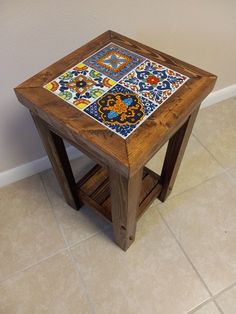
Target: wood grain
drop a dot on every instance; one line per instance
(146, 140)
(174, 154)
(120, 188)
(56, 151)
(94, 190)
(125, 194)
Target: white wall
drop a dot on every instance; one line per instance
(33, 34)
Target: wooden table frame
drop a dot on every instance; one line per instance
(121, 200)
(119, 187)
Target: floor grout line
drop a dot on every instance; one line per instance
(212, 296)
(53, 212)
(205, 147)
(224, 290)
(71, 246)
(69, 251)
(196, 308)
(224, 171)
(231, 178)
(201, 305)
(187, 257)
(33, 264)
(218, 307)
(91, 306)
(68, 246)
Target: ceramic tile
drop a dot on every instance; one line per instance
(52, 286)
(153, 276)
(204, 221)
(28, 230)
(209, 308)
(154, 81)
(121, 110)
(76, 225)
(215, 127)
(80, 85)
(227, 301)
(91, 86)
(114, 61)
(197, 166)
(232, 174)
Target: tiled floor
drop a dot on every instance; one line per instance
(56, 260)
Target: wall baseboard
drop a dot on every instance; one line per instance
(41, 164)
(219, 95)
(33, 167)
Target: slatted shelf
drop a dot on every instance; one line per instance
(94, 191)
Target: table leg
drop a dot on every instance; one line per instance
(125, 195)
(174, 154)
(57, 154)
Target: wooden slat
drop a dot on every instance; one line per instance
(94, 190)
(88, 175)
(94, 139)
(148, 183)
(102, 211)
(94, 180)
(148, 200)
(102, 192)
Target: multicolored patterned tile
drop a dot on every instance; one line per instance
(121, 110)
(114, 61)
(117, 87)
(80, 85)
(154, 81)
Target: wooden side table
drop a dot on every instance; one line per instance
(119, 102)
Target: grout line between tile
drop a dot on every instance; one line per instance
(71, 246)
(199, 306)
(194, 310)
(204, 146)
(185, 254)
(232, 180)
(218, 307)
(33, 264)
(212, 297)
(90, 304)
(224, 290)
(195, 186)
(53, 212)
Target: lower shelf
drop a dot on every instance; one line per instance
(94, 191)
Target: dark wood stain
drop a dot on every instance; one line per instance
(120, 187)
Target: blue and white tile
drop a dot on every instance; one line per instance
(154, 81)
(121, 110)
(114, 61)
(80, 86)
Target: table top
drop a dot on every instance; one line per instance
(117, 97)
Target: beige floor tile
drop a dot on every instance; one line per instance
(77, 225)
(53, 286)
(81, 165)
(227, 301)
(232, 174)
(216, 129)
(204, 221)
(197, 166)
(209, 308)
(28, 230)
(153, 276)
